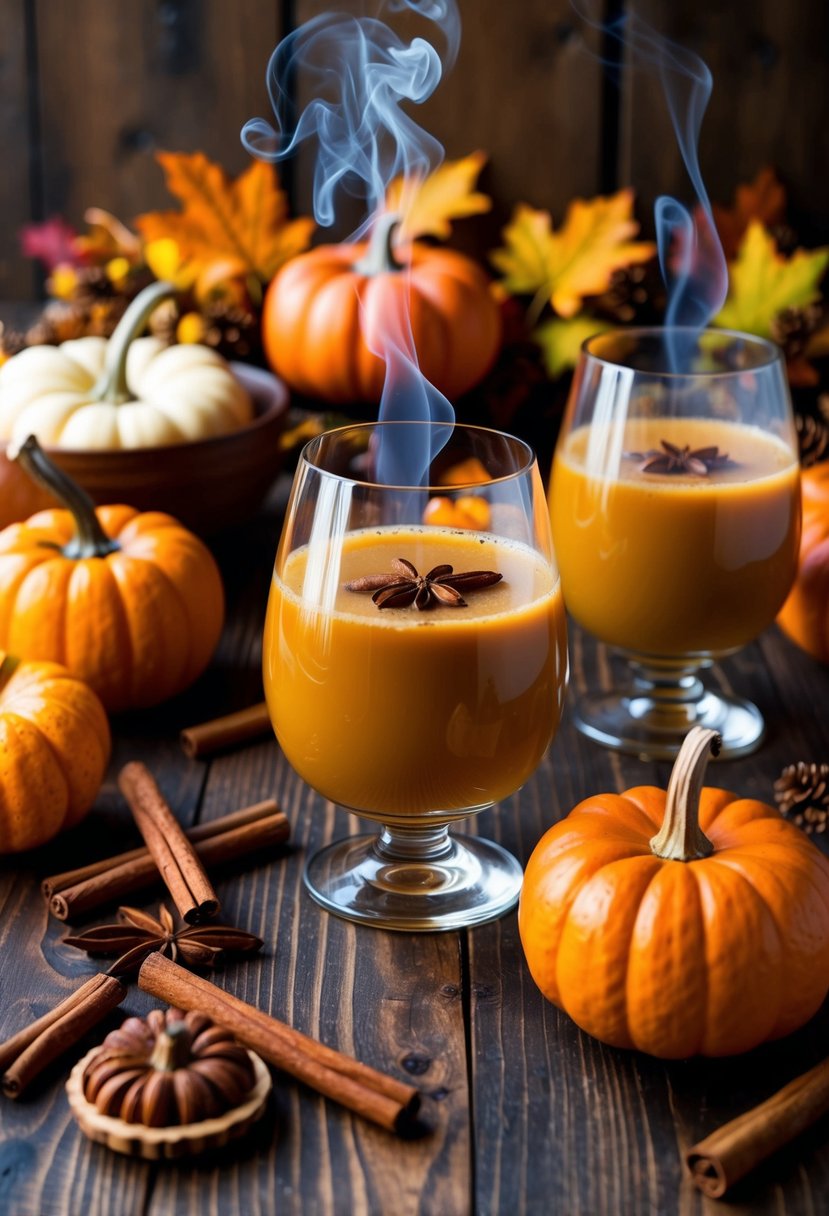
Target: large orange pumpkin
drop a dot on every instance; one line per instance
(320, 306)
(130, 602)
(54, 748)
(805, 615)
(678, 935)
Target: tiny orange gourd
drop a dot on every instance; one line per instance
(320, 306)
(131, 602)
(54, 748)
(805, 615)
(679, 923)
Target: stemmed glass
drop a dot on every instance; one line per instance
(675, 508)
(387, 694)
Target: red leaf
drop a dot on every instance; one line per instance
(52, 242)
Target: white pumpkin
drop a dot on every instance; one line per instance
(125, 393)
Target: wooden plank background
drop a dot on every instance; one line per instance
(90, 89)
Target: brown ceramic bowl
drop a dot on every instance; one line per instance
(208, 484)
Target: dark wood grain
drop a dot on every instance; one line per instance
(768, 64)
(118, 82)
(527, 1114)
(18, 139)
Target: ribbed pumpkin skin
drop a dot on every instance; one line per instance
(54, 748)
(805, 615)
(138, 625)
(675, 958)
(317, 304)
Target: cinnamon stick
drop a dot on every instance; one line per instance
(178, 864)
(26, 1054)
(732, 1151)
(244, 833)
(372, 1094)
(228, 731)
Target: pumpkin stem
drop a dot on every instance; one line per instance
(379, 257)
(172, 1048)
(681, 838)
(112, 383)
(90, 540)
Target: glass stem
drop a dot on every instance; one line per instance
(670, 683)
(418, 844)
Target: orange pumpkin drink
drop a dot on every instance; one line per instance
(667, 560)
(405, 714)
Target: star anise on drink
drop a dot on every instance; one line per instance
(136, 934)
(673, 459)
(404, 586)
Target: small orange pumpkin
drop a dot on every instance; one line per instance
(54, 748)
(692, 922)
(320, 305)
(805, 615)
(130, 602)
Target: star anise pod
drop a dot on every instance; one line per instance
(405, 586)
(673, 459)
(136, 934)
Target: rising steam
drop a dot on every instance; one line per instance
(690, 254)
(359, 73)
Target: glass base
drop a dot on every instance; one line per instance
(422, 881)
(652, 717)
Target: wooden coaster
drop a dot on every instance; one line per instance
(158, 1143)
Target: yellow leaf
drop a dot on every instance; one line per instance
(561, 340)
(245, 220)
(763, 282)
(577, 260)
(428, 205)
(163, 256)
(525, 263)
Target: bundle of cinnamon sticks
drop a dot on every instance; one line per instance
(245, 833)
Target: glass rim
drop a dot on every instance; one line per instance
(774, 354)
(529, 461)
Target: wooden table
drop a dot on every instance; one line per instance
(527, 1113)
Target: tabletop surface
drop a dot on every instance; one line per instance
(525, 1112)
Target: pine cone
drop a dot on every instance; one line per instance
(793, 327)
(802, 795)
(635, 294)
(232, 329)
(812, 438)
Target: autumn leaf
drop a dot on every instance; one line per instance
(763, 282)
(561, 340)
(430, 204)
(764, 199)
(577, 260)
(243, 222)
(53, 242)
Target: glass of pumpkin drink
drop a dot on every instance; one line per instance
(675, 507)
(415, 671)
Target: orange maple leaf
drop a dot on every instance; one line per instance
(243, 222)
(764, 199)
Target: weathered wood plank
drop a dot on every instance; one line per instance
(144, 76)
(17, 128)
(765, 108)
